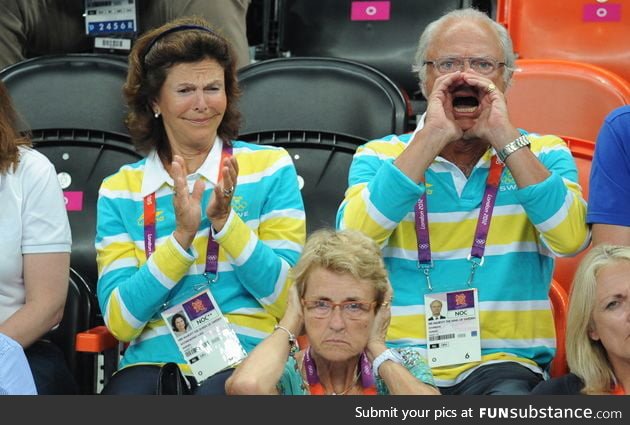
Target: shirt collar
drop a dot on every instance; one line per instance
(155, 175)
(419, 125)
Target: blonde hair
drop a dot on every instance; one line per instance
(587, 358)
(345, 252)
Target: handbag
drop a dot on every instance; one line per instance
(171, 381)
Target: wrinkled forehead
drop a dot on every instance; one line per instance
(467, 38)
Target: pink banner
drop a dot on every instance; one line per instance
(74, 201)
(602, 12)
(370, 11)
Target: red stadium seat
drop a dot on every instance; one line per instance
(578, 30)
(564, 98)
(559, 306)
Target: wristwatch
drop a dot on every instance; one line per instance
(388, 354)
(513, 146)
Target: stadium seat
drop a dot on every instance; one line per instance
(104, 349)
(381, 34)
(320, 94)
(582, 151)
(78, 91)
(82, 159)
(590, 31)
(564, 98)
(322, 161)
(79, 315)
(559, 306)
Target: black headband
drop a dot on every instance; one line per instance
(172, 30)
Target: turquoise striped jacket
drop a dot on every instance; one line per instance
(262, 239)
(529, 227)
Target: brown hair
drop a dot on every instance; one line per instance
(10, 137)
(150, 60)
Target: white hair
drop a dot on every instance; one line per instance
(469, 14)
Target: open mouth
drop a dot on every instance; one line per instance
(465, 99)
(465, 104)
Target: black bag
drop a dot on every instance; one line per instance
(171, 381)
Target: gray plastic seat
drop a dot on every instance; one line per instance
(80, 91)
(320, 94)
(322, 161)
(331, 28)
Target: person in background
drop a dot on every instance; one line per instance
(30, 28)
(470, 206)
(342, 299)
(609, 183)
(35, 246)
(598, 327)
(202, 211)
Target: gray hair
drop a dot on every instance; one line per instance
(462, 14)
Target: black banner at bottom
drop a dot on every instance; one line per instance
(279, 410)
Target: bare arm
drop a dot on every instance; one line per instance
(263, 367)
(611, 234)
(46, 282)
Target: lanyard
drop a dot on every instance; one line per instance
(212, 252)
(481, 232)
(316, 388)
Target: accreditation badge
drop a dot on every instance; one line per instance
(452, 327)
(203, 335)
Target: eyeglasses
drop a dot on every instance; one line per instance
(354, 310)
(484, 66)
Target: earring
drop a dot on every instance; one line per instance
(156, 115)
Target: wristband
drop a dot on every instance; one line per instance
(388, 354)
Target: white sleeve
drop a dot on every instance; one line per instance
(45, 226)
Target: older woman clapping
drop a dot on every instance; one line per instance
(598, 327)
(342, 300)
(202, 216)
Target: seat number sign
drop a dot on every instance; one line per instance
(110, 17)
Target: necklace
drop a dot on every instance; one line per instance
(318, 388)
(352, 384)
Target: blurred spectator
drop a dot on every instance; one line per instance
(15, 374)
(30, 28)
(609, 194)
(598, 325)
(34, 253)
